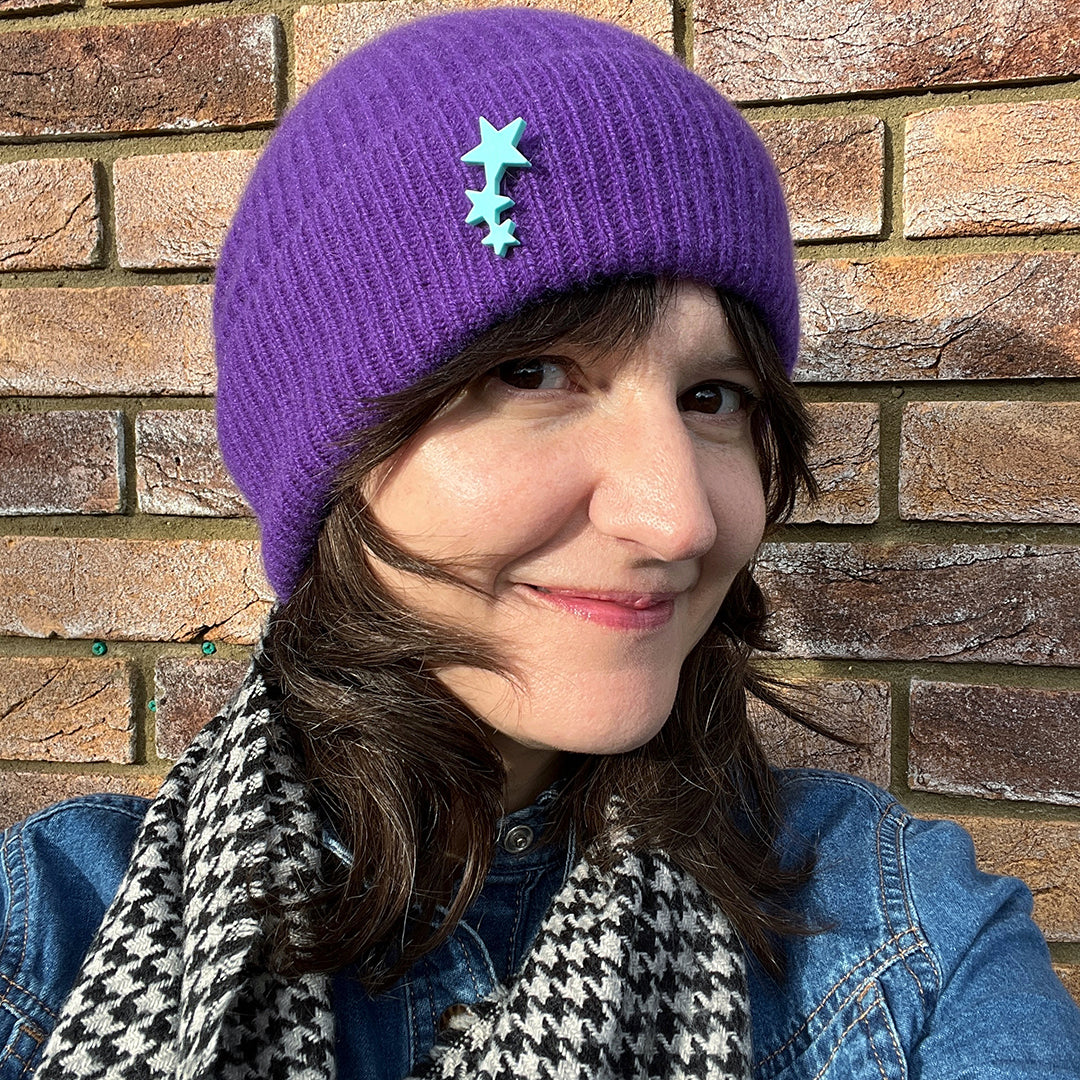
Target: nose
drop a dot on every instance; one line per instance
(649, 487)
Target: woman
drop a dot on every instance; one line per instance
(505, 323)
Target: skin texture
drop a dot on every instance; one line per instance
(626, 484)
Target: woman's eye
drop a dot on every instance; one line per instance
(533, 373)
(716, 398)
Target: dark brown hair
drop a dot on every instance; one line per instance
(408, 774)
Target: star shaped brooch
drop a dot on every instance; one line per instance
(497, 151)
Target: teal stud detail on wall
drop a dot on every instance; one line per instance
(99, 648)
(497, 151)
(209, 648)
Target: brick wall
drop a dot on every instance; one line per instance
(931, 155)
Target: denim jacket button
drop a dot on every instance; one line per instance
(518, 839)
(455, 1018)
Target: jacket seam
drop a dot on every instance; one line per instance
(840, 1042)
(865, 980)
(21, 951)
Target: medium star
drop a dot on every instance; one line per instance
(497, 151)
(487, 206)
(501, 238)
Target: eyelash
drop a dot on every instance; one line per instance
(504, 371)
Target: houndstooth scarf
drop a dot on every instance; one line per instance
(634, 973)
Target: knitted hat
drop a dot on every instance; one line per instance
(432, 184)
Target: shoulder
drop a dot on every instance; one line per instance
(915, 948)
(59, 870)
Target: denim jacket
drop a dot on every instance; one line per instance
(928, 968)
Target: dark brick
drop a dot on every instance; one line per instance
(853, 709)
(189, 691)
(157, 76)
(62, 462)
(995, 603)
(844, 460)
(997, 742)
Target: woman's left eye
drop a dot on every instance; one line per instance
(533, 373)
(716, 398)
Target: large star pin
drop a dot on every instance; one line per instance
(497, 150)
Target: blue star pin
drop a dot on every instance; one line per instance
(497, 151)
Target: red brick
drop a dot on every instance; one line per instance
(54, 709)
(997, 742)
(857, 710)
(60, 463)
(990, 461)
(148, 339)
(1069, 974)
(986, 170)
(326, 32)
(189, 691)
(845, 461)
(173, 210)
(155, 76)
(833, 170)
(49, 214)
(178, 466)
(24, 793)
(1044, 854)
(132, 590)
(1002, 316)
(772, 50)
(994, 603)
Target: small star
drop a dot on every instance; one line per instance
(501, 238)
(497, 151)
(487, 206)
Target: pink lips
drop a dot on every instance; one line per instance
(619, 610)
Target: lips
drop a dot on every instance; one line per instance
(614, 608)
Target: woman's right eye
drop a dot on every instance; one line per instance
(533, 373)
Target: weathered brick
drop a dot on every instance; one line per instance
(990, 461)
(1069, 974)
(984, 170)
(1044, 854)
(833, 171)
(178, 466)
(36, 7)
(49, 214)
(853, 709)
(60, 463)
(997, 742)
(1002, 316)
(772, 49)
(23, 793)
(149, 339)
(325, 33)
(131, 590)
(995, 603)
(845, 461)
(156, 76)
(189, 691)
(173, 210)
(62, 709)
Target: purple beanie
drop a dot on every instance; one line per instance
(350, 270)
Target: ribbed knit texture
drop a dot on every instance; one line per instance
(349, 270)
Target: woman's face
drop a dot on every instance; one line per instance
(601, 505)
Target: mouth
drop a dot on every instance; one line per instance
(617, 609)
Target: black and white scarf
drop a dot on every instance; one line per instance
(634, 973)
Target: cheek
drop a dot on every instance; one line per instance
(458, 496)
(738, 500)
